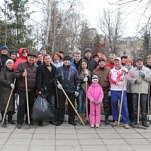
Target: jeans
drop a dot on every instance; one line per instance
(115, 96)
(143, 104)
(82, 101)
(22, 108)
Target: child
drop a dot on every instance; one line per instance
(95, 95)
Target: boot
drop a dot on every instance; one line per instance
(10, 114)
(107, 120)
(145, 124)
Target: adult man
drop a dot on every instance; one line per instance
(43, 51)
(92, 64)
(118, 86)
(110, 64)
(45, 83)
(39, 60)
(28, 69)
(4, 56)
(69, 80)
(13, 55)
(123, 60)
(141, 76)
(103, 73)
(77, 59)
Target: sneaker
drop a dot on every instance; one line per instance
(115, 123)
(126, 126)
(92, 126)
(97, 126)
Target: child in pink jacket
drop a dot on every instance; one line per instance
(95, 95)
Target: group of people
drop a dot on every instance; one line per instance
(90, 82)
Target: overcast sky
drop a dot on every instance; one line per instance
(132, 15)
(92, 10)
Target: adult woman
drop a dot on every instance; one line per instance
(6, 85)
(85, 76)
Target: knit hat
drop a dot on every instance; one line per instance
(128, 60)
(95, 77)
(139, 58)
(13, 53)
(4, 47)
(67, 58)
(87, 50)
(117, 58)
(9, 60)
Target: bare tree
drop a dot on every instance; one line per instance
(112, 26)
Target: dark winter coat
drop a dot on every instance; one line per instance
(3, 59)
(92, 64)
(68, 77)
(45, 79)
(31, 76)
(103, 74)
(6, 78)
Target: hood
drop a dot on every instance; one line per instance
(21, 52)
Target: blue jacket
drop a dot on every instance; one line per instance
(68, 77)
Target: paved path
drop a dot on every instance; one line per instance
(74, 138)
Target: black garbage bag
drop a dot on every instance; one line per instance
(41, 109)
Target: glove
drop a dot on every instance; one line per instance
(125, 70)
(59, 86)
(141, 73)
(76, 93)
(85, 79)
(120, 83)
(138, 81)
(97, 103)
(12, 86)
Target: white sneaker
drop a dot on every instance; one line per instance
(92, 126)
(97, 126)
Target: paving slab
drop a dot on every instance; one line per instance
(43, 142)
(119, 148)
(41, 148)
(138, 141)
(15, 148)
(74, 138)
(94, 148)
(142, 147)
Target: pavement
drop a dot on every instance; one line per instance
(74, 138)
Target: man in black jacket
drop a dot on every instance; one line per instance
(46, 74)
(68, 78)
(92, 64)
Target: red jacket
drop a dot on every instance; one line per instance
(21, 58)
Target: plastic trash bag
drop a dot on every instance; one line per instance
(41, 109)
